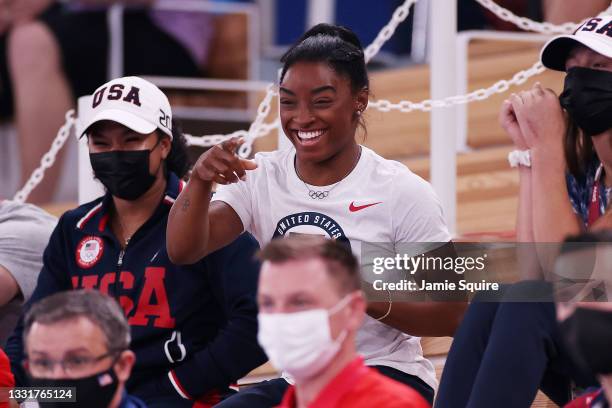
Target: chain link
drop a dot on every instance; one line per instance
(263, 110)
(427, 105)
(528, 24)
(245, 150)
(48, 159)
(400, 14)
(257, 129)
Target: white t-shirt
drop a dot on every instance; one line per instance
(274, 202)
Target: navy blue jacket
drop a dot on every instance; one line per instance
(194, 328)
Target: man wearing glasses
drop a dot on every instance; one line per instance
(80, 339)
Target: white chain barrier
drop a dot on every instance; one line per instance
(500, 86)
(48, 158)
(257, 129)
(427, 105)
(528, 24)
(212, 140)
(399, 15)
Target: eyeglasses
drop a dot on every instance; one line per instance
(72, 366)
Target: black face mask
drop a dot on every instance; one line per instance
(588, 336)
(124, 173)
(96, 391)
(587, 97)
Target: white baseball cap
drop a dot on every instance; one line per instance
(133, 102)
(594, 33)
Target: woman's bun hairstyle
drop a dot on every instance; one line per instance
(335, 45)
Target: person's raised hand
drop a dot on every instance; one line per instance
(508, 122)
(541, 119)
(221, 164)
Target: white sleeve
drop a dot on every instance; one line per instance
(238, 196)
(417, 216)
(24, 234)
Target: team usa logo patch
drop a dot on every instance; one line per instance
(89, 251)
(310, 223)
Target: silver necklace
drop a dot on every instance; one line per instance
(321, 194)
(123, 236)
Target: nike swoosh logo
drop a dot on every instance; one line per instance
(355, 208)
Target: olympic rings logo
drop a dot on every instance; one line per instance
(318, 194)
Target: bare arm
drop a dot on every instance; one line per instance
(526, 254)
(543, 125)
(8, 286)
(197, 227)
(188, 226)
(524, 217)
(426, 318)
(554, 217)
(191, 235)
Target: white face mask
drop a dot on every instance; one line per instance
(300, 343)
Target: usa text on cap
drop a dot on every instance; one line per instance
(133, 102)
(594, 33)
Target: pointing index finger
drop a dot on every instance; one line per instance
(232, 144)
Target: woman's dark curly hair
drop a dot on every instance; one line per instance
(178, 159)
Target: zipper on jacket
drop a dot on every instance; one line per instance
(122, 252)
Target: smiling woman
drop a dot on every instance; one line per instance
(324, 90)
(325, 184)
(319, 115)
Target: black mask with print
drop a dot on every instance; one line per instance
(95, 391)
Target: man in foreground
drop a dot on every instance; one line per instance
(80, 339)
(310, 308)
